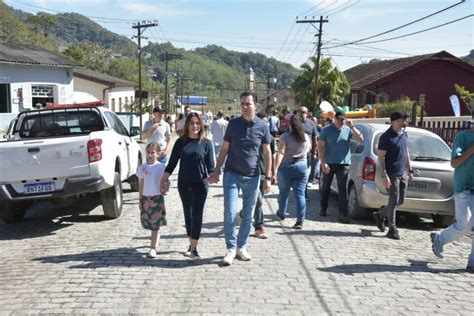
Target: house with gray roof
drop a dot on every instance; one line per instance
(32, 76)
(118, 94)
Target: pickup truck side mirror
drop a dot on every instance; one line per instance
(134, 131)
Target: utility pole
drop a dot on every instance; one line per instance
(168, 57)
(139, 26)
(318, 52)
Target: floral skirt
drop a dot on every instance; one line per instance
(154, 215)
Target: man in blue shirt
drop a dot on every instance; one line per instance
(334, 154)
(394, 161)
(463, 163)
(242, 141)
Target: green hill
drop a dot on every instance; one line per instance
(211, 70)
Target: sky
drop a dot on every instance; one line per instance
(269, 26)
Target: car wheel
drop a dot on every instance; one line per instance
(12, 212)
(133, 180)
(112, 199)
(355, 211)
(443, 220)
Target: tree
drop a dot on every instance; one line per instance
(465, 95)
(43, 22)
(91, 56)
(332, 85)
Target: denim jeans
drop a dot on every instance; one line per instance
(234, 182)
(164, 160)
(341, 172)
(193, 197)
(464, 207)
(295, 176)
(396, 197)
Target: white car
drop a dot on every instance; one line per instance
(63, 152)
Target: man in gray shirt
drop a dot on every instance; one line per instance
(242, 141)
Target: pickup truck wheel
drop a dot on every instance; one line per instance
(112, 199)
(355, 210)
(133, 180)
(12, 212)
(443, 221)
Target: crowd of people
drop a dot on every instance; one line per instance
(243, 152)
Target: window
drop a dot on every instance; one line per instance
(120, 104)
(354, 100)
(42, 95)
(116, 124)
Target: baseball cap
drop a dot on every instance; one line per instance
(157, 109)
(395, 115)
(340, 115)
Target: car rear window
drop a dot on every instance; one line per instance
(58, 122)
(422, 145)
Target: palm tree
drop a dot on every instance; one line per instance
(332, 86)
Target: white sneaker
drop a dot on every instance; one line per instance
(152, 253)
(243, 254)
(229, 257)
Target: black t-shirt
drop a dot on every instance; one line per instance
(196, 159)
(396, 146)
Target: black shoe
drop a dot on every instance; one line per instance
(281, 217)
(323, 212)
(344, 219)
(298, 224)
(194, 255)
(379, 221)
(393, 233)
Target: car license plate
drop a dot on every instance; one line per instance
(39, 187)
(419, 185)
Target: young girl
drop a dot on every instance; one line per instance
(152, 203)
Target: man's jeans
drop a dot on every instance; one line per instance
(396, 197)
(341, 172)
(292, 175)
(313, 166)
(234, 182)
(258, 215)
(464, 206)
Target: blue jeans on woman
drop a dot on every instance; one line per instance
(234, 182)
(295, 176)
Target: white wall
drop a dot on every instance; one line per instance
(118, 93)
(94, 88)
(23, 76)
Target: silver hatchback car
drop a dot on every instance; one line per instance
(431, 191)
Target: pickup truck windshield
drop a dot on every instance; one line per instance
(58, 122)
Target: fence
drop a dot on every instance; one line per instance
(445, 127)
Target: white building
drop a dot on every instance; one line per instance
(117, 93)
(30, 75)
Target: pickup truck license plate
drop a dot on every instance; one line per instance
(418, 186)
(39, 187)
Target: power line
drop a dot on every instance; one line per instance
(343, 9)
(311, 9)
(422, 31)
(57, 11)
(401, 26)
(336, 8)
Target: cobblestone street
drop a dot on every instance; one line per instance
(65, 261)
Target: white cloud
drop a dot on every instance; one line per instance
(156, 10)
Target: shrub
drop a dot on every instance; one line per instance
(404, 104)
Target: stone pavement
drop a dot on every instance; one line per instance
(69, 260)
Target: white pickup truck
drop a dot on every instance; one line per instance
(65, 152)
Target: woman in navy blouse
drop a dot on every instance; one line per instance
(196, 160)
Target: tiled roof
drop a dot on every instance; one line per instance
(32, 55)
(101, 78)
(365, 74)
